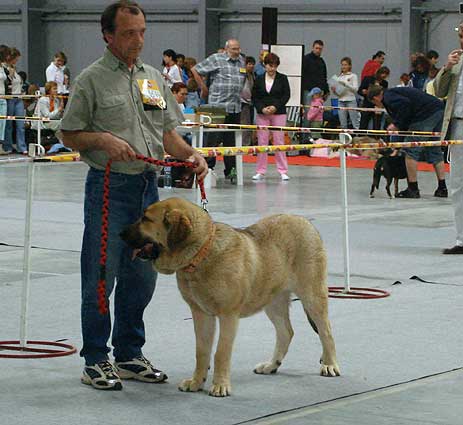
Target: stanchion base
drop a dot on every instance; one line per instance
(356, 293)
(29, 352)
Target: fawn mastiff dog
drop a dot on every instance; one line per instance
(229, 273)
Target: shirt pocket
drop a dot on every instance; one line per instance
(114, 112)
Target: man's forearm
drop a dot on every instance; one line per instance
(177, 147)
(83, 140)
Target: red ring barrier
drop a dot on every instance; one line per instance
(356, 293)
(40, 353)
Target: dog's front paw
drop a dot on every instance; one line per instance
(330, 370)
(190, 385)
(220, 390)
(267, 368)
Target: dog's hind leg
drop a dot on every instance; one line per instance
(396, 186)
(278, 313)
(204, 331)
(313, 293)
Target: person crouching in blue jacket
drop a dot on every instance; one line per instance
(413, 110)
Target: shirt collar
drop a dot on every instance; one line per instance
(114, 63)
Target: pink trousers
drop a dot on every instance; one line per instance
(278, 139)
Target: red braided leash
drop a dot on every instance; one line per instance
(101, 288)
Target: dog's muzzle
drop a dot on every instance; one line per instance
(143, 248)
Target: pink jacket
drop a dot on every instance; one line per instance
(315, 114)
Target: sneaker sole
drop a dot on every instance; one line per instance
(126, 374)
(87, 381)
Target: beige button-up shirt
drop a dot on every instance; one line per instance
(107, 97)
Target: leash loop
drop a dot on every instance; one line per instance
(101, 287)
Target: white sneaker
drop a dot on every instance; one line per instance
(258, 177)
(284, 177)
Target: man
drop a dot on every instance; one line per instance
(227, 73)
(449, 83)
(314, 74)
(55, 72)
(314, 71)
(412, 109)
(120, 107)
(372, 65)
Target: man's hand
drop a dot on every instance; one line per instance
(453, 58)
(116, 148)
(200, 163)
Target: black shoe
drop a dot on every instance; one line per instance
(441, 192)
(408, 193)
(457, 249)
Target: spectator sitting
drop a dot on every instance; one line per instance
(49, 106)
(180, 93)
(315, 113)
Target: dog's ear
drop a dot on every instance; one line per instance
(178, 227)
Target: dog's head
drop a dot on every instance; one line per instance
(164, 227)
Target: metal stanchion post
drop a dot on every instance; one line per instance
(27, 253)
(345, 139)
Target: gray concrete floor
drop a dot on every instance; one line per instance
(400, 357)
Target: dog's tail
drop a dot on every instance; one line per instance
(312, 323)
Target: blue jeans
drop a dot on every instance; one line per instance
(129, 196)
(15, 107)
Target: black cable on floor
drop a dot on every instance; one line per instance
(38, 247)
(321, 403)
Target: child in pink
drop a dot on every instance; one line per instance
(315, 113)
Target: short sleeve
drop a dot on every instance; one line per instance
(79, 110)
(207, 66)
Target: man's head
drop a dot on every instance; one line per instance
(59, 59)
(379, 56)
(233, 48)
(123, 27)
(317, 47)
(375, 95)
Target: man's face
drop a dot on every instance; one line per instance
(233, 49)
(129, 35)
(378, 100)
(460, 37)
(59, 62)
(317, 49)
(380, 59)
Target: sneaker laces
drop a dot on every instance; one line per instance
(146, 361)
(107, 369)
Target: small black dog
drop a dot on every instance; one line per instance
(391, 167)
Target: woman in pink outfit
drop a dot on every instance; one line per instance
(270, 94)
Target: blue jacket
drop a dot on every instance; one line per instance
(407, 105)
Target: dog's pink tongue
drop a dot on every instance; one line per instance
(135, 253)
(146, 251)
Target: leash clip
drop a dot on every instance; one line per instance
(204, 203)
